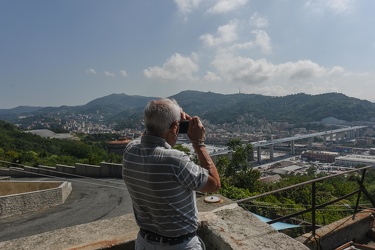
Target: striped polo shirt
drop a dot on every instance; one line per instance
(161, 182)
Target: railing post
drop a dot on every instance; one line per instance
(313, 207)
(359, 192)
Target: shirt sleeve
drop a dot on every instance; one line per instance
(191, 175)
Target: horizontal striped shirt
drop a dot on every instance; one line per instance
(161, 182)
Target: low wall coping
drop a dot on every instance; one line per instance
(25, 202)
(226, 226)
(340, 232)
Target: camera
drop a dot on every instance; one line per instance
(184, 125)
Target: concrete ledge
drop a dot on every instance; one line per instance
(17, 199)
(225, 227)
(231, 227)
(18, 187)
(65, 169)
(340, 232)
(104, 170)
(102, 234)
(29, 169)
(110, 169)
(87, 170)
(15, 172)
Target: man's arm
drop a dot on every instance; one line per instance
(205, 161)
(196, 135)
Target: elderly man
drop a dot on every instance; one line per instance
(161, 180)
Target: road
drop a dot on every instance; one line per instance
(90, 200)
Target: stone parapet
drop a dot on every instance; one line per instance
(223, 226)
(332, 236)
(231, 227)
(65, 169)
(104, 170)
(23, 197)
(88, 170)
(111, 169)
(16, 172)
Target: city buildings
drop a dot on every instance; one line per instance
(321, 156)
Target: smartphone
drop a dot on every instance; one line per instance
(184, 125)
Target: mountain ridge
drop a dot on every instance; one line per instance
(222, 108)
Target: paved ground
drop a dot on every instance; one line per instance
(90, 200)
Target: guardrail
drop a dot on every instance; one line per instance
(314, 206)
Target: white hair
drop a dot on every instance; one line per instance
(160, 114)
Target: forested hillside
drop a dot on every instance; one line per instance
(127, 111)
(239, 180)
(292, 108)
(25, 148)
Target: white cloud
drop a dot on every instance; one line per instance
(337, 70)
(177, 67)
(109, 74)
(257, 21)
(282, 89)
(211, 77)
(123, 73)
(301, 70)
(187, 6)
(302, 76)
(247, 70)
(225, 34)
(262, 41)
(91, 71)
(336, 6)
(240, 69)
(223, 6)
(340, 6)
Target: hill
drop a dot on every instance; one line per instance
(220, 108)
(20, 147)
(293, 108)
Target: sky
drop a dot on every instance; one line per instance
(70, 52)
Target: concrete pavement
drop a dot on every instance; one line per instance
(90, 200)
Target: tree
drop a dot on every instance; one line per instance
(222, 164)
(247, 178)
(233, 192)
(182, 148)
(12, 156)
(311, 171)
(237, 172)
(29, 157)
(234, 143)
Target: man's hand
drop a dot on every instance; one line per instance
(196, 131)
(185, 116)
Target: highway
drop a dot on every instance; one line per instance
(90, 200)
(304, 136)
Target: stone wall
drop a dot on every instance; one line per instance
(223, 226)
(21, 203)
(336, 234)
(16, 187)
(104, 170)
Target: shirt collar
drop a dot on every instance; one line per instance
(155, 140)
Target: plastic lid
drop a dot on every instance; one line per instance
(212, 199)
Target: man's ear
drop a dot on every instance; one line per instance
(174, 126)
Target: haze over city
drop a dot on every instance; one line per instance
(55, 53)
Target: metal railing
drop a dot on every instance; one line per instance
(314, 206)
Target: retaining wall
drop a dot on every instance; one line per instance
(104, 170)
(223, 227)
(44, 195)
(354, 227)
(17, 187)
